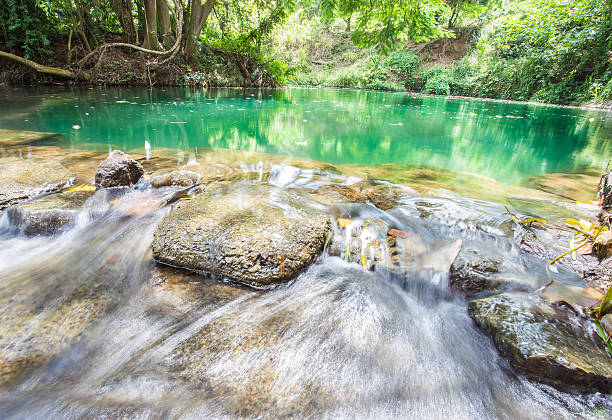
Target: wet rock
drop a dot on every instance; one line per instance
(605, 197)
(24, 179)
(118, 170)
(31, 335)
(546, 344)
(17, 137)
(471, 274)
(383, 196)
(179, 178)
(575, 298)
(550, 243)
(257, 235)
(47, 215)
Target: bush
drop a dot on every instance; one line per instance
(437, 81)
(280, 72)
(346, 80)
(403, 64)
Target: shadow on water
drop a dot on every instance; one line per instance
(105, 337)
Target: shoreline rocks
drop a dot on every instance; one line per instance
(118, 170)
(243, 235)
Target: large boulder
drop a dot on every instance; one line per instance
(47, 215)
(24, 179)
(118, 170)
(243, 235)
(543, 342)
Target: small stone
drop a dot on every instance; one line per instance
(118, 170)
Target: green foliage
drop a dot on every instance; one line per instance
(554, 51)
(403, 64)
(23, 25)
(437, 81)
(280, 71)
(388, 24)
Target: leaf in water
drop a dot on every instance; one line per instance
(572, 221)
(81, 187)
(344, 222)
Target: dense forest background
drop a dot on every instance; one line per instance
(554, 51)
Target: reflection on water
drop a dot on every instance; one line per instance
(505, 141)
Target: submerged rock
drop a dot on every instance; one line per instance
(18, 137)
(24, 179)
(250, 236)
(544, 343)
(118, 170)
(47, 215)
(179, 178)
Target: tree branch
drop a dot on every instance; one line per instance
(39, 67)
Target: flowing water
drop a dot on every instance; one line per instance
(100, 330)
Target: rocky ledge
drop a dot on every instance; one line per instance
(24, 179)
(241, 234)
(543, 342)
(47, 215)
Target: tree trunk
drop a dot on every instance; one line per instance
(165, 27)
(198, 16)
(123, 10)
(150, 32)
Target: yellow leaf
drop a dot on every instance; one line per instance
(344, 222)
(82, 187)
(585, 225)
(572, 221)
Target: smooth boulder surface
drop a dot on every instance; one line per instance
(178, 178)
(118, 170)
(24, 179)
(241, 234)
(47, 215)
(543, 342)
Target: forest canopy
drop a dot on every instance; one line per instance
(555, 51)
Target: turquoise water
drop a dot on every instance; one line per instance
(506, 141)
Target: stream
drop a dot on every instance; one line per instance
(103, 331)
